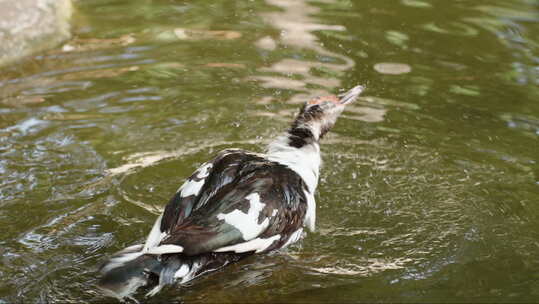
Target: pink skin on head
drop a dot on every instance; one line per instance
(342, 99)
(318, 100)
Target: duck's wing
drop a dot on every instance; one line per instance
(211, 176)
(214, 174)
(245, 204)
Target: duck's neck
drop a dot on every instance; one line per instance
(299, 150)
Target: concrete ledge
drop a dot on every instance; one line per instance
(29, 26)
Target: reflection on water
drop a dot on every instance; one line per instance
(296, 30)
(429, 188)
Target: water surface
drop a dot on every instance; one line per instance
(430, 187)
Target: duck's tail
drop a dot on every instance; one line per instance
(134, 267)
(131, 268)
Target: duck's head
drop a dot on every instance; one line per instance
(320, 113)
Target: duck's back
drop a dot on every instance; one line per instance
(242, 196)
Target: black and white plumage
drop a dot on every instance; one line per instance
(233, 206)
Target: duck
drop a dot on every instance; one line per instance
(236, 205)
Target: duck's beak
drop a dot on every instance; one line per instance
(350, 96)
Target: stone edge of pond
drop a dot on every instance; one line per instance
(30, 26)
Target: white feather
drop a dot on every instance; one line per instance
(165, 249)
(180, 273)
(305, 161)
(247, 223)
(310, 214)
(294, 237)
(132, 248)
(191, 274)
(183, 271)
(257, 245)
(191, 187)
(156, 236)
(154, 290)
(204, 170)
(120, 260)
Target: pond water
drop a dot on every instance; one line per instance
(430, 186)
